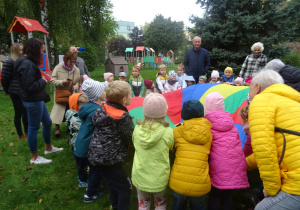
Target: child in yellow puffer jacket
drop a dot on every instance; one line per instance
(190, 178)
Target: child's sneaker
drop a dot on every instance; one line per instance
(92, 198)
(40, 160)
(82, 184)
(54, 149)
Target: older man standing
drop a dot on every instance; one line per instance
(196, 60)
(80, 62)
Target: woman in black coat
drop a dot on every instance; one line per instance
(11, 86)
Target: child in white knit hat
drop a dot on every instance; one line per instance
(152, 139)
(108, 77)
(215, 77)
(172, 83)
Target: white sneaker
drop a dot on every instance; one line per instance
(54, 149)
(40, 160)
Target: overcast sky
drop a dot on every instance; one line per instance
(141, 11)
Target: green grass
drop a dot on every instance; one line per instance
(53, 186)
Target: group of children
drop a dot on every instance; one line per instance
(209, 156)
(172, 81)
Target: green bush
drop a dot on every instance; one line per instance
(90, 57)
(292, 59)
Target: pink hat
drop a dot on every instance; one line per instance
(107, 74)
(248, 80)
(239, 80)
(155, 106)
(213, 102)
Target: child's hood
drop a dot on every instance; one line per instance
(220, 120)
(87, 109)
(69, 114)
(196, 130)
(73, 101)
(149, 137)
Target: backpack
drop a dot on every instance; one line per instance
(73, 124)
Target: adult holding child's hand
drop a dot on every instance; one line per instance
(34, 96)
(64, 77)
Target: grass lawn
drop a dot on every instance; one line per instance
(54, 186)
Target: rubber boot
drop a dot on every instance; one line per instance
(57, 131)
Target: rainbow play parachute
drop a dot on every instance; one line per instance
(235, 97)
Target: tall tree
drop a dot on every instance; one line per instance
(137, 37)
(117, 45)
(230, 27)
(164, 34)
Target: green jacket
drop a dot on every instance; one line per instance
(142, 87)
(151, 165)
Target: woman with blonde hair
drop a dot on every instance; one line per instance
(11, 86)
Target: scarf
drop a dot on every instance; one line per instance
(116, 105)
(66, 67)
(172, 82)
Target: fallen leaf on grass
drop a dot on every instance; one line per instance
(1, 151)
(63, 202)
(9, 190)
(25, 179)
(1, 176)
(69, 171)
(34, 190)
(40, 201)
(11, 144)
(16, 207)
(29, 169)
(14, 154)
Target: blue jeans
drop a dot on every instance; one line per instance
(180, 202)
(37, 112)
(282, 200)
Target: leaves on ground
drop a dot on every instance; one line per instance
(14, 154)
(40, 201)
(29, 169)
(1, 176)
(11, 144)
(63, 202)
(25, 179)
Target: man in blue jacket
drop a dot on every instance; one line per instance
(196, 60)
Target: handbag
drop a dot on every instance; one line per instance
(62, 96)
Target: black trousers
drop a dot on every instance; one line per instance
(217, 197)
(20, 114)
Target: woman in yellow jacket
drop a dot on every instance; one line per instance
(275, 104)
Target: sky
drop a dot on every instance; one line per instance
(141, 11)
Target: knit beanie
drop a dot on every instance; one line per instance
(73, 101)
(93, 89)
(215, 74)
(189, 78)
(122, 74)
(203, 77)
(155, 106)
(239, 79)
(214, 102)
(192, 109)
(107, 74)
(228, 69)
(172, 74)
(248, 80)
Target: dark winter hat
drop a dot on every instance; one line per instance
(192, 109)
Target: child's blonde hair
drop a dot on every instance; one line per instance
(181, 66)
(136, 67)
(117, 90)
(161, 66)
(149, 121)
(82, 99)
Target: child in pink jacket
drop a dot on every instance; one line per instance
(227, 164)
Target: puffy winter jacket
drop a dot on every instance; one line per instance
(291, 76)
(190, 171)
(112, 134)
(151, 157)
(32, 86)
(86, 129)
(227, 164)
(9, 80)
(278, 105)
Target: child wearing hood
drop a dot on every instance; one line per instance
(227, 163)
(190, 173)
(189, 80)
(136, 82)
(172, 83)
(108, 78)
(227, 76)
(152, 139)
